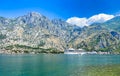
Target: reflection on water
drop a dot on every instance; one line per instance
(59, 65)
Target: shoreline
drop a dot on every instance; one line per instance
(53, 52)
(33, 52)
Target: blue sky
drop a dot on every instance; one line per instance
(59, 8)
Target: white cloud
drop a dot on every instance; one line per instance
(78, 21)
(100, 18)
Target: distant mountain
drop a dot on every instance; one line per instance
(36, 33)
(113, 24)
(97, 38)
(101, 36)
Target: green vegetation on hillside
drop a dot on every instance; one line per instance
(2, 36)
(28, 49)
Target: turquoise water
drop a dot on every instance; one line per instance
(52, 64)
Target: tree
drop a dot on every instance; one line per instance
(41, 43)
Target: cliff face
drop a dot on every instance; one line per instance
(98, 39)
(34, 32)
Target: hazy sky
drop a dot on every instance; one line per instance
(59, 8)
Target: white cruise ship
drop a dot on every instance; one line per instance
(74, 51)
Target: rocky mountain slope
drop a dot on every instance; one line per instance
(98, 38)
(36, 33)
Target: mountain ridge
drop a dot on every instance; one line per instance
(36, 33)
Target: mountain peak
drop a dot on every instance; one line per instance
(34, 14)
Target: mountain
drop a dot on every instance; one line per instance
(113, 24)
(101, 36)
(98, 38)
(36, 33)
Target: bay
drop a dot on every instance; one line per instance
(59, 65)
